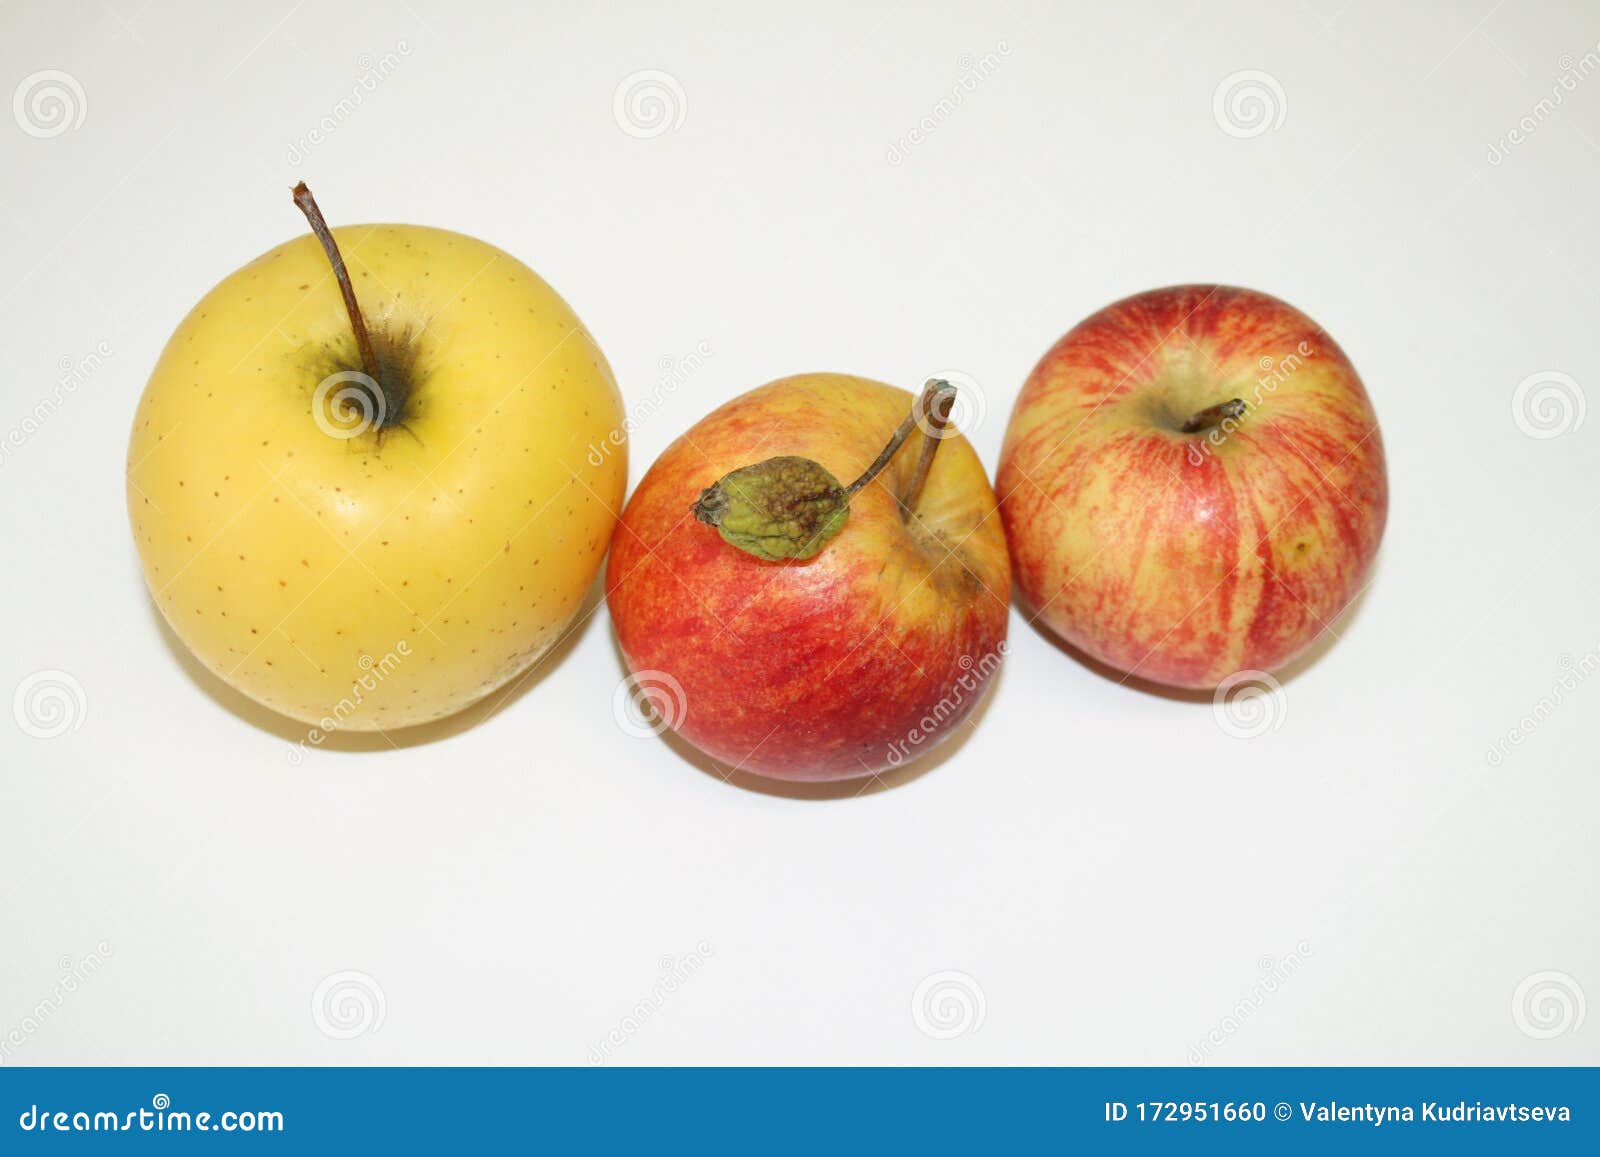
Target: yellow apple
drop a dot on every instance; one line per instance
(367, 551)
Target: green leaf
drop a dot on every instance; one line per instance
(784, 507)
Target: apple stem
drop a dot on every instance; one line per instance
(790, 507)
(1215, 415)
(937, 397)
(319, 226)
(896, 440)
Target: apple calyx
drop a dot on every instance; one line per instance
(385, 372)
(1231, 410)
(789, 507)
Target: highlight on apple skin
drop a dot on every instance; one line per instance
(1193, 485)
(859, 658)
(371, 534)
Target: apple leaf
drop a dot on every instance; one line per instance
(784, 507)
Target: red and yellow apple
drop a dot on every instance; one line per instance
(1193, 484)
(825, 665)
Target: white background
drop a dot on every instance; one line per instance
(1110, 870)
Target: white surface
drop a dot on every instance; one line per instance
(1107, 865)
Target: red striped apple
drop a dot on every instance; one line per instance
(809, 630)
(1193, 485)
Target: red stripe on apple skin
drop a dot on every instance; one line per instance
(1183, 558)
(824, 668)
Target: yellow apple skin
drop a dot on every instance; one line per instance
(396, 576)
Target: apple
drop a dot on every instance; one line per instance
(364, 496)
(792, 626)
(1193, 485)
